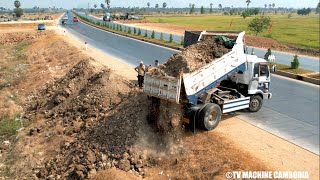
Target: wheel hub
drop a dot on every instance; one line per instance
(254, 103)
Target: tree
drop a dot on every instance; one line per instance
(318, 8)
(18, 12)
(157, 6)
(258, 24)
(265, 6)
(211, 7)
(134, 31)
(202, 10)
(95, 6)
(192, 9)
(304, 11)
(102, 6)
(17, 4)
(248, 3)
(220, 6)
(139, 32)
(295, 63)
(267, 54)
(148, 4)
(245, 14)
(164, 5)
(270, 5)
(273, 5)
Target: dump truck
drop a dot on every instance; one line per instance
(234, 81)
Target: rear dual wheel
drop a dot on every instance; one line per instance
(210, 116)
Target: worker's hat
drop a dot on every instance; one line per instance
(141, 62)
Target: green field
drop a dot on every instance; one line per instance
(298, 30)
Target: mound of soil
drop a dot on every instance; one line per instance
(12, 38)
(101, 115)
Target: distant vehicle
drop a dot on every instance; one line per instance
(48, 18)
(41, 26)
(4, 18)
(107, 17)
(75, 19)
(65, 18)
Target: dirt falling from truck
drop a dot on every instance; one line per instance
(166, 115)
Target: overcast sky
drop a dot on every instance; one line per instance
(68, 4)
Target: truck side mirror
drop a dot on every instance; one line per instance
(274, 68)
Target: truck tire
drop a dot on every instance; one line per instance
(210, 116)
(255, 103)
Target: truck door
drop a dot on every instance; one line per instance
(261, 78)
(264, 78)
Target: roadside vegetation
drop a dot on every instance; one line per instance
(297, 30)
(136, 33)
(133, 32)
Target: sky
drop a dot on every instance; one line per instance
(68, 4)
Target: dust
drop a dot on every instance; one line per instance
(164, 115)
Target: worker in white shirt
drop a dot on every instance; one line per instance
(140, 70)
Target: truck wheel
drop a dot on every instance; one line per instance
(210, 116)
(255, 103)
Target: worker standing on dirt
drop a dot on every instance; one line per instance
(140, 70)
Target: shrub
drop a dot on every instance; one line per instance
(129, 30)
(182, 41)
(146, 34)
(295, 63)
(120, 28)
(170, 38)
(153, 34)
(134, 31)
(267, 54)
(161, 36)
(139, 32)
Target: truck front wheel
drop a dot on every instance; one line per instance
(210, 116)
(255, 103)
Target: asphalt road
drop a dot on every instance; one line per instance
(292, 113)
(306, 62)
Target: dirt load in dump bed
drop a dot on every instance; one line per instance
(194, 57)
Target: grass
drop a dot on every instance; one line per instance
(301, 31)
(8, 128)
(287, 68)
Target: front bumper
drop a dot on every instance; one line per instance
(267, 95)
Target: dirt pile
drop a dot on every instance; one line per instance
(194, 57)
(101, 115)
(12, 37)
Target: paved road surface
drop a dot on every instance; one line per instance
(306, 62)
(292, 113)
